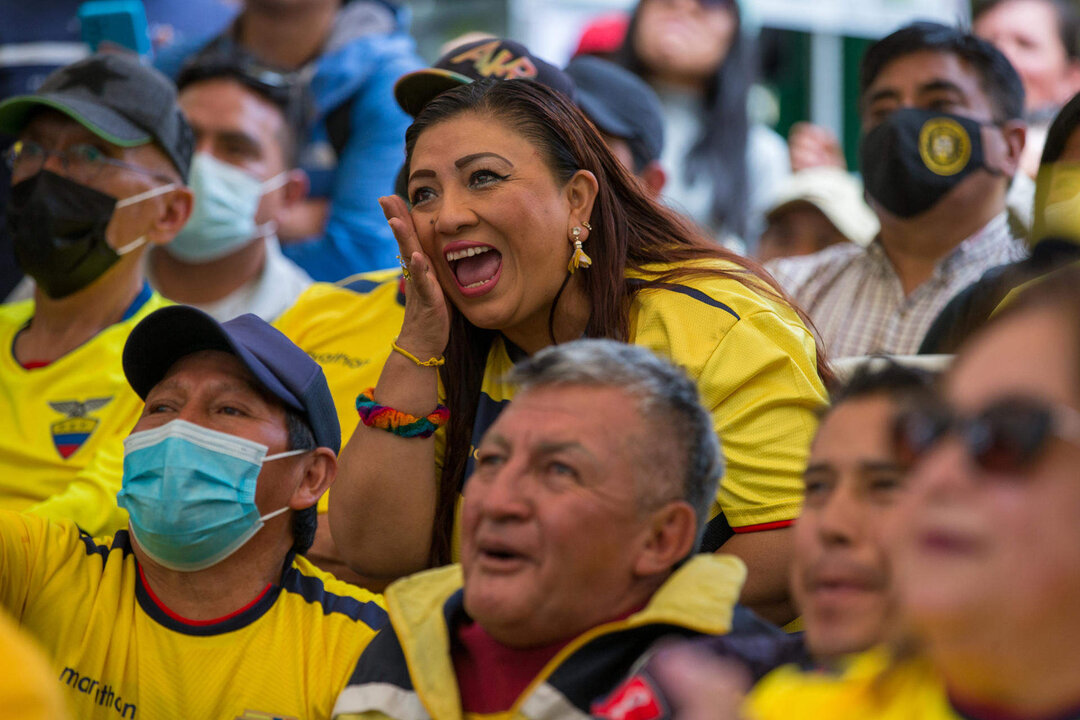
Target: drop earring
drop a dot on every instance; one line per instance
(579, 258)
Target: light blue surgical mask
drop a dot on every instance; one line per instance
(223, 218)
(190, 493)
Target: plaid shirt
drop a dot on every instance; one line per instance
(857, 301)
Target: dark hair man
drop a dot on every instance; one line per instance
(98, 172)
(204, 607)
(1055, 238)
(942, 136)
(607, 448)
(227, 260)
(349, 54)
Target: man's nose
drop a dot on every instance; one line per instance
(505, 494)
(841, 519)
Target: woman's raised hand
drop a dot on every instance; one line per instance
(426, 328)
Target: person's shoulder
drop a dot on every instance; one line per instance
(367, 32)
(26, 679)
(55, 541)
(366, 283)
(837, 255)
(723, 293)
(872, 685)
(791, 272)
(333, 598)
(341, 299)
(16, 313)
(720, 284)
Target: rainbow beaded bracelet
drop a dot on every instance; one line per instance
(397, 422)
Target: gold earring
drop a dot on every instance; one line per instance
(579, 258)
(587, 226)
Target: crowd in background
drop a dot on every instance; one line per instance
(631, 407)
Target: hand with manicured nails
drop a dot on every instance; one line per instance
(425, 330)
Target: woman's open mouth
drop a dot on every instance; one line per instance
(476, 268)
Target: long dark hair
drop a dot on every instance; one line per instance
(720, 152)
(630, 232)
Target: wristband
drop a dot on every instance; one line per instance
(397, 422)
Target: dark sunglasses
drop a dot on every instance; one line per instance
(1005, 437)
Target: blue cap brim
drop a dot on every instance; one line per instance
(169, 334)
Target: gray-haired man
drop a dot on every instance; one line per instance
(590, 491)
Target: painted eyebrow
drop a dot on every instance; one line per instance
(421, 174)
(462, 162)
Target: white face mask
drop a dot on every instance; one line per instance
(223, 218)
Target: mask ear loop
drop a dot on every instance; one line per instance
(267, 516)
(153, 192)
(270, 227)
(279, 456)
(287, 453)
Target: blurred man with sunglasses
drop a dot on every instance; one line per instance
(986, 542)
(98, 173)
(227, 260)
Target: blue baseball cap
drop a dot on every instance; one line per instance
(283, 369)
(620, 104)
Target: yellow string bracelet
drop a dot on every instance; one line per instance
(432, 362)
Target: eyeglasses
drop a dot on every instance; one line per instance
(1005, 437)
(82, 163)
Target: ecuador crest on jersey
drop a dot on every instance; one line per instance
(77, 426)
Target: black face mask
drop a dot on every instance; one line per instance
(58, 229)
(914, 157)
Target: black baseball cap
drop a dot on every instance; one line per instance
(490, 58)
(116, 97)
(620, 104)
(284, 370)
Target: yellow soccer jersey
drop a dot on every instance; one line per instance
(347, 328)
(118, 653)
(61, 449)
(874, 687)
(756, 370)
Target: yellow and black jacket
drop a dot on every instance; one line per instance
(407, 673)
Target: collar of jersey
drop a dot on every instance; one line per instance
(236, 620)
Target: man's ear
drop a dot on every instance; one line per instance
(1015, 134)
(296, 187)
(175, 210)
(581, 191)
(672, 533)
(653, 177)
(1072, 80)
(320, 469)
